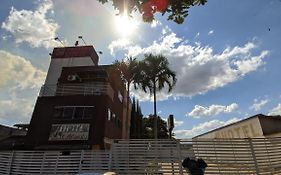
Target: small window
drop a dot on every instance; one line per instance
(58, 111)
(108, 114)
(88, 112)
(120, 97)
(79, 113)
(68, 112)
(73, 112)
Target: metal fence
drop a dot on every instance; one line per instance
(132, 157)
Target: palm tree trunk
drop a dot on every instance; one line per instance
(155, 114)
(127, 113)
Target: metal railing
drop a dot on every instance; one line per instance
(77, 89)
(138, 157)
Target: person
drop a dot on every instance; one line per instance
(202, 164)
(110, 173)
(194, 167)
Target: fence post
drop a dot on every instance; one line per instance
(81, 161)
(254, 155)
(179, 156)
(110, 157)
(11, 163)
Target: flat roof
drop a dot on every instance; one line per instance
(76, 51)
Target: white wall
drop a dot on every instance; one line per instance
(245, 129)
(56, 65)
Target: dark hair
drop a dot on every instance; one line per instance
(185, 162)
(201, 163)
(193, 166)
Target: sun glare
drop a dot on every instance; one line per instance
(125, 25)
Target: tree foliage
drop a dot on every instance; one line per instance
(136, 127)
(177, 10)
(127, 70)
(154, 75)
(148, 125)
(151, 74)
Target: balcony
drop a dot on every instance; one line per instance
(99, 88)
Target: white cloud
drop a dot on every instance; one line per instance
(178, 122)
(17, 72)
(203, 127)
(258, 104)
(15, 110)
(118, 44)
(197, 35)
(19, 84)
(200, 111)
(210, 32)
(276, 110)
(5, 37)
(198, 68)
(155, 23)
(32, 27)
(166, 30)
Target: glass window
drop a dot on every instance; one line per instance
(108, 114)
(79, 113)
(68, 112)
(58, 112)
(88, 112)
(73, 112)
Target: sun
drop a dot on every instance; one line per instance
(125, 25)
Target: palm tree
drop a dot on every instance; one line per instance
(128, 69)
(154, 75)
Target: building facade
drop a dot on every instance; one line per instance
(258, 126)
(82, 105)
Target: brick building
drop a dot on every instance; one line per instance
(82, 105)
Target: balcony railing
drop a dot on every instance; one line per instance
(77, 89)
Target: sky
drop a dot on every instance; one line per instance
(226, 55)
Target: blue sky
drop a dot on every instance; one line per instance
(226, 56)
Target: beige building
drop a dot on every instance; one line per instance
(257, 126)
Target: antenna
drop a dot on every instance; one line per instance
(80, 37)
(57, 39)
(76, 43)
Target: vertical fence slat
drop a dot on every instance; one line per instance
(254, 155)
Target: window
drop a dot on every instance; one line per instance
(73, 112)
(108, 114)
(120, 97)
(79, 113)
(68, 112)
(88, 112)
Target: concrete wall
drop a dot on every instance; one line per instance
(57, 64)
(6, 132)
(248, 128)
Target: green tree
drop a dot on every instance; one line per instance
(128, 69)
(136, 121)
(148, 125)
(177, 10)
(139, 122)
(154, 75)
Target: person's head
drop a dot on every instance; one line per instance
(110, 173)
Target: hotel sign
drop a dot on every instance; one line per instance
(64, 132)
